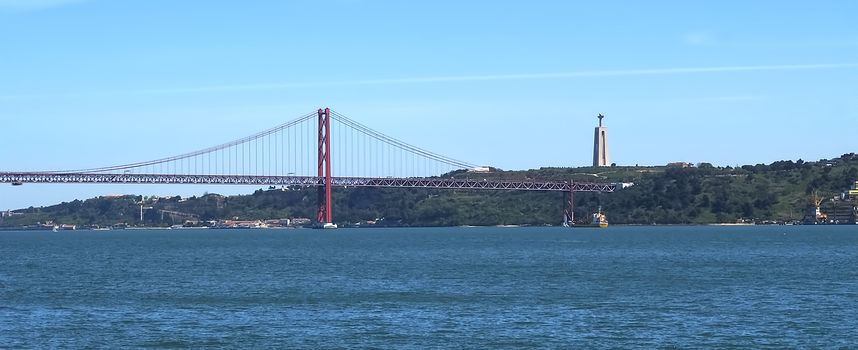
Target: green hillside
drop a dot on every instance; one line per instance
(779, 191)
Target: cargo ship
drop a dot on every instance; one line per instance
(598, 219)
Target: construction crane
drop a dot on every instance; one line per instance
(142, 208)
(816, 201)
(174, 214)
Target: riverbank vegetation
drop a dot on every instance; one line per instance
(698, 194)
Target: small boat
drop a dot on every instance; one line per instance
(17, 183)
(598, 219)
(329, 226)
(325, 226)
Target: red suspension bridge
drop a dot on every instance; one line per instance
(305, 152)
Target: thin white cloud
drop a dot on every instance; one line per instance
(30, 5)
(736, 98)
(799, 44)
(449, 79)
(704, 38)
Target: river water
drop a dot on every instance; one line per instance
(621, 287)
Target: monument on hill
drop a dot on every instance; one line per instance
(601, 157)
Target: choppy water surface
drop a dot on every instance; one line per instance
(629, 287)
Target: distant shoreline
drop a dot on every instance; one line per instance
(24, 229)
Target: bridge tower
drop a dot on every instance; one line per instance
(601, 157)
(569, 211)
(325, 215)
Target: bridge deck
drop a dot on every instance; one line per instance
(413, 182)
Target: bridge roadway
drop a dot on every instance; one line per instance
(411, 182)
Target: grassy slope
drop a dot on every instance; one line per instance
(778, 191)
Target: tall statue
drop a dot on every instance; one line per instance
(601, 156)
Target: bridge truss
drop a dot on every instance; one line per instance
(307, 181)
(283, 156)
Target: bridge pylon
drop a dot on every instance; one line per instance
(325, 215)
(283, 156)
(569, 210)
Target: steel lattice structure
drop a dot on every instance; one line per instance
(309, 181)
(306, 152)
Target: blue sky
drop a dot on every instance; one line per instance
(511, 84)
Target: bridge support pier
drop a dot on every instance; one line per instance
(325, 215)
(569, 211)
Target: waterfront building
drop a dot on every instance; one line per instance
(680, 165)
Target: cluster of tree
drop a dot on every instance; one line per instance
(661, 195)
(780, 191)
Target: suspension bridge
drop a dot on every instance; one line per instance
(307, 151)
